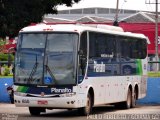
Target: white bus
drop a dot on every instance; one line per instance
(78, 66)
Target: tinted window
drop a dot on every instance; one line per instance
(133, 47)
(114, 55)
(101, 45)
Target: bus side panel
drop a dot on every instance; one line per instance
(115, 89)
(107, 89)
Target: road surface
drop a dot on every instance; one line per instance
(141, 112)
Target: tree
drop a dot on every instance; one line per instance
(16, 14)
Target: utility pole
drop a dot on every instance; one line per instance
(116, 15)
(156, 31)
(156, 35)
(117, 10)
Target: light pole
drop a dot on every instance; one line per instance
(156, 35)
(116, 15)
(156, 32)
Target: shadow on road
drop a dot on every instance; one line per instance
(74, 113)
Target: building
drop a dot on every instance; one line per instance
(102, 13)
(129, 20)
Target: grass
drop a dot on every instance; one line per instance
(9, 76)
(153, 74)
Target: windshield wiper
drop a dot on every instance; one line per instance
(50, 72)
(33, 70)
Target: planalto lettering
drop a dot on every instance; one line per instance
(64, 90)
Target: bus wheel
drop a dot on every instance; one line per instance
(134, 96)
(88, 108)
(34, 111)
(128, 102)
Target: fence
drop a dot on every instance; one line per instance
(153, 66)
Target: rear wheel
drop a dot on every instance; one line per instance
(128, 102)
(134, 97)
(88, 108)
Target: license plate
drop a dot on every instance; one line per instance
(42, 102)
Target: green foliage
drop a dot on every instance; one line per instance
(16, 14)
(2, 42)
(4, 57)
(153, 74)
(6, 71)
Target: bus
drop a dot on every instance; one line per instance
(78, 66)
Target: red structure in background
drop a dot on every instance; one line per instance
(147, 29)
(11, 44)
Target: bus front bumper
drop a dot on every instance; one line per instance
(55, 102)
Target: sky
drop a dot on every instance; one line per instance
(123, 4)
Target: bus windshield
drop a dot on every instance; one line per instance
(46, 58)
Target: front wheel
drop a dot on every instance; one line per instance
(35, 111)
(88, 108)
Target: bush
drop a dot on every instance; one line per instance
(6, 71)
(4, 57)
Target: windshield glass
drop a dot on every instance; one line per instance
(46, 58)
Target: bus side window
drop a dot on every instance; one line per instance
(83, 54)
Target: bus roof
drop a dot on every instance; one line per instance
(79, 28)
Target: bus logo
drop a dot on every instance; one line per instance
(62, 90)
(99, 67)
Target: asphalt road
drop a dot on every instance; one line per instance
(141, 112)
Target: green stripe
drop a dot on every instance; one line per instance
(22, 89)
(139, 67)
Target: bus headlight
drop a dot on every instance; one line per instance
(20, 94)
(68, 94)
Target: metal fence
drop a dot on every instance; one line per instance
(154, 66)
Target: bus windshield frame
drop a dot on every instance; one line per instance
(46, 58)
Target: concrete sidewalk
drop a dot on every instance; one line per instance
(12, 109)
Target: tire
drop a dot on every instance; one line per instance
(87, 110)
(35, 111)
(128, 102)
(134, 97)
